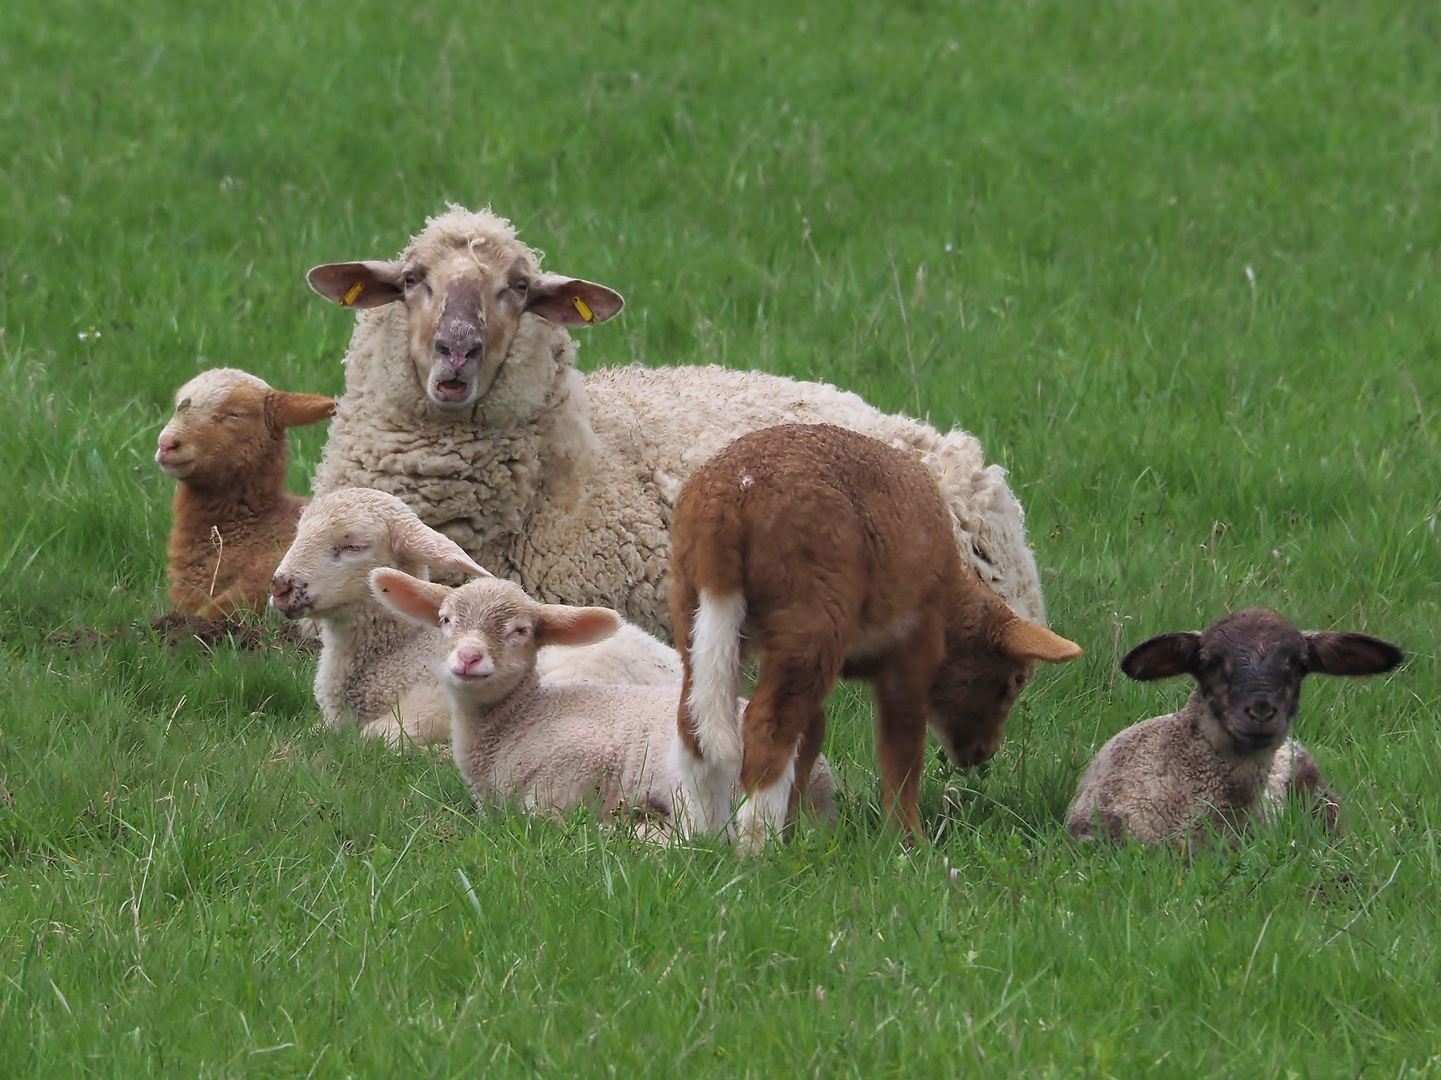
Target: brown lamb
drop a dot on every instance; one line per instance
(830, 554)
(232, 518)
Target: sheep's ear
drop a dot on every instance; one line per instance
(558, 624)
(1349, 654)
(413, 542)
(571, 301)
(1163, 657)
(1025, 640)
(413, 599)
(287, 410)
(358, 284)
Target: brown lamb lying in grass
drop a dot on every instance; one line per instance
(232, 518)
(1225, 758)
(830, 553)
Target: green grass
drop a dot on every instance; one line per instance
(1174, 264)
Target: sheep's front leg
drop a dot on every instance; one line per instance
(901, 689)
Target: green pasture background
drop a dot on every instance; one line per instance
(1174, 263)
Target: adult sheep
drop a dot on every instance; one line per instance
(462, 399)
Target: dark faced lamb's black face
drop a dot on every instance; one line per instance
(1249, 666)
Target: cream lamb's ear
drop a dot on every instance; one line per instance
(358, 284)
(413, 599)
(412, 541)
(571, 301)
(557, 624)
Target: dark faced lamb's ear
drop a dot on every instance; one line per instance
(1163, 656)
(288, 410)
(1349, 654)
(358, 284)
(571, 301)
(413, 599)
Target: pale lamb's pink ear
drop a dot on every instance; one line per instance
(571, 301)
(557, 624)
(413, 599)
(358, 284)
(414, 542)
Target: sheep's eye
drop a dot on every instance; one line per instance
(445, 622)
(348, 549)
(518, 633)
(411, 279)
(521, 286)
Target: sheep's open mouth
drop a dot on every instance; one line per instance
(450, 390)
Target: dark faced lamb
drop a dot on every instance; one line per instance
(1225, 759)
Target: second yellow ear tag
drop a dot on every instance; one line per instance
(585, 312)
(355, 291)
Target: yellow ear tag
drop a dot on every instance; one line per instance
(355, 291)
(585, 312)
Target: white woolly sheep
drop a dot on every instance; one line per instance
(548, 746)
(231, 516)
(1225, 758)
(462, 399)
(378, 670)
(829, 553)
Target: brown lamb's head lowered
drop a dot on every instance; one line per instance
(464, 282)
(1249, 666)
(991, 655)
(228, 424)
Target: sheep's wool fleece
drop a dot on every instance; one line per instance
(1162, 780)
(565, 484)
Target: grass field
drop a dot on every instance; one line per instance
(1173, 263)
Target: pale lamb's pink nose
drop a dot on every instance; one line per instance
(168, 444)
(472, 662)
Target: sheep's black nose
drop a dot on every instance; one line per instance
(1261, 710)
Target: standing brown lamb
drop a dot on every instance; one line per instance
(1225, 759)
(232, 518)
(830, 553)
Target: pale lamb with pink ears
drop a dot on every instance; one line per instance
(462, 399)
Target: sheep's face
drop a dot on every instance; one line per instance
(991, 653)
(465, 283)
(1249, 666)
(489, 636)
(341, 538)
(490, 630)
(228, 423)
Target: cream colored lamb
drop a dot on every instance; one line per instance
(377, 670)
(549, 746)
(1225, 759)
(462, 398)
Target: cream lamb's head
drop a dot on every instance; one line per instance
(490, 629)
(1248, 669)
(342, 537)
(464, 283)
(229, 424)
